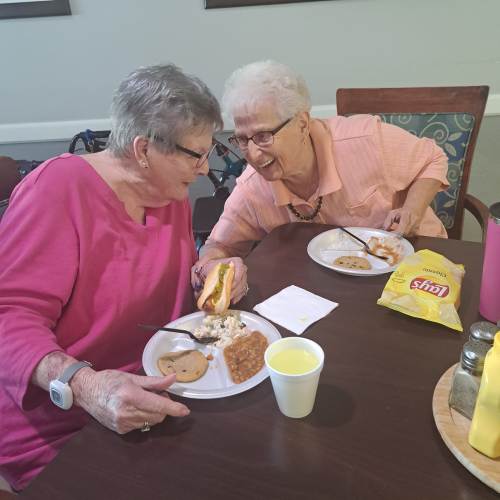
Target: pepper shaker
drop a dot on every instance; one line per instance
(467, 378)
(483, 331)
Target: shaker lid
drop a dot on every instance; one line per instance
(483, 331)
(473, 354)
(495, 212)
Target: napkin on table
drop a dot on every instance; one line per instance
(295, 308)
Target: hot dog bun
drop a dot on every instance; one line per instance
(216, 295)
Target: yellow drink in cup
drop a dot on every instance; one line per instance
(294, 361)
(294, 365)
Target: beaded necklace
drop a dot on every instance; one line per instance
(306, 217)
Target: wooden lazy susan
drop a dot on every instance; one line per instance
(454, 429)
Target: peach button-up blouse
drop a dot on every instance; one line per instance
(365, 169)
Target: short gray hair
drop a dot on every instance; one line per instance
(160, 102)
(267, 80)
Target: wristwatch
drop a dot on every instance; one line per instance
(59, 389)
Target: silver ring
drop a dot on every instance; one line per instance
(146, 427)
(199, 272)
(247, 289)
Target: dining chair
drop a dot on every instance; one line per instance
(11, 173)
(452, 117)
(9, 177)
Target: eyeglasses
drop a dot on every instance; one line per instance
(263, 138)
(201, 157)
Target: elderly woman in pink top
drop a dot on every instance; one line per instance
(90, 246)
(353, 171)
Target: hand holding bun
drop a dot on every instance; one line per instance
(205, 265)
(216, 295)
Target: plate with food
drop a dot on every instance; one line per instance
(231, 365)
(338, 250)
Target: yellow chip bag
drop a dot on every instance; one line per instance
(426, 285)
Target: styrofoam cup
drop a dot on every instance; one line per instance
(296, 393)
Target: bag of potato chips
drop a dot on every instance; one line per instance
(426, 285)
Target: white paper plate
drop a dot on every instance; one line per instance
(319, 250)
(216, 383)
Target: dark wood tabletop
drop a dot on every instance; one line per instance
(371, 434)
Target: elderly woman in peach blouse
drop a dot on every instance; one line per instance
(355, 171)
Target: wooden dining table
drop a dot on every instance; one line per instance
(371, 434)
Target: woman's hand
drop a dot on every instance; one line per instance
(406, 220)
(201, 269)
(403, 221)
(122, 401)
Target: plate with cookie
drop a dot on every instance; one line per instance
(229, 366)
(337, 250)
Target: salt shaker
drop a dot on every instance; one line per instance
(467, 377)
(483, 331)
(489, 300)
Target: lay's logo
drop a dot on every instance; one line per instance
(429, 286)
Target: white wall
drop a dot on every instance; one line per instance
(65, 68)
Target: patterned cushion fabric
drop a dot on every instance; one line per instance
(452, 132)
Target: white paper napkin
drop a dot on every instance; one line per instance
(295, 308)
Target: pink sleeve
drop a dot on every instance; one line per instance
(38, 263)
(407, 157)
(238, 228)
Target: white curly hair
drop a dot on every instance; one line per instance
(266, 80)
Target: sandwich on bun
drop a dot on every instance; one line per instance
(216, 294)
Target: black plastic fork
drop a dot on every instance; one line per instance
(367, 248)
(202, 340)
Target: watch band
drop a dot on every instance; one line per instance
(68, 373)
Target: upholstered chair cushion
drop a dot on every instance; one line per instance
(452, 132)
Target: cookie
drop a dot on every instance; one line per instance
(188, 366)
(352, 262)
(245, 356)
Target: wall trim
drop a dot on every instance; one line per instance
(13, 133)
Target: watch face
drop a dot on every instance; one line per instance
(61, 394)
(55, 396)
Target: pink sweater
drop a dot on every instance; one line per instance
(77, 274)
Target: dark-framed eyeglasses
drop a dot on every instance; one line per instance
(201, 157)
(263, 138)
